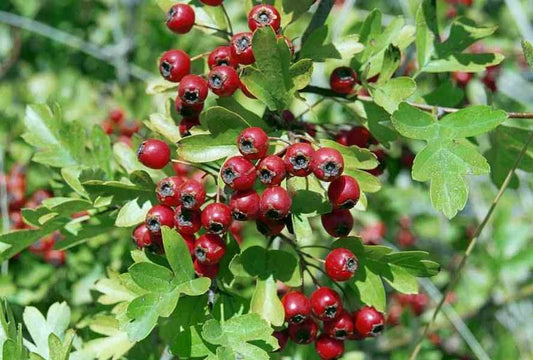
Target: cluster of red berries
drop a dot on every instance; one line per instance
(116, 123)
(416, 304)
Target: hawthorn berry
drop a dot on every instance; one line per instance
(275, 203)
(369, 322)
(405, 238)
(192, 194)
(269, 227)
(303, 333)
(241, 48)
(186, 124)
(206, 270)
(358, 136)
(174, 65)
(298, 159)
(326, 304)
(193, 89)
(187, 111)
(216, 218)
(245, 205)
(180, 18)
(343, 80)
(223, 80)
(235, 229)
(159, 216)
(186, 221)
(264, 15)
(221, 56)
(212, 2)
(253, 143)
(271, 170)
(107, 126)
(55, 257)
(154, 153)
(238, 173)
(209, 249)
(327, 164)
(167, 191)
(338, 223)
(340, 328)
(344, 192)
(116, 115)
(246, 92)
(462, 79)
(329, 348)
(283, 337)
(128, 128)
(37, 197)
(341, 264)
(190, 240)
(44, 244)
(297, 307)
(141, 236)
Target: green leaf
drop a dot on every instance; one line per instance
(308, 196)
(266, 303)
(101, 150)
(120, 191)
(178, 255)
(424, 36)
(132, 214)
(391, 94)
(152, 277)
(208, 148)
(446, 94)
(391, 62)
(292, 10)
(252, 118)
(378, 119)
(370, 288)
(528, 52)
(316, 48)
(219, 120)
(127, 159)
(319, 18)
(301, 73)
(259, 262)
(165, 126)
(463, 62)
(463, 33)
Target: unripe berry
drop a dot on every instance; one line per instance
(329, 348)
(282, 337)
(192, 194)
(275, 203)
(298, 159)
(245, 205)
(180, 18)
(223, 80)
(338, 223)
(327, 164)
(369, 322)
(297, 307)
(154, 153)
(186, 221)
(253, 143)
(187, 111)
(343, 80)
(326, 304)
(340, 328)
(271, 170)
(167, 191)
(193, 89)
(221, 56)
(241, 48)
(344, 192)
(159, 216)
(269, 227)
(238, 173)
(174, 65)
(303, 333)
(341, 264)
(206, 270)
(209, 249)
(216, 218)
(212, 2)
(264, 15)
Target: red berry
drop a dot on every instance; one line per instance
(186, 221)
(186, 124)
(343, 80)
(55, 257)
(192, 194)
(297, 307)
(128, 128)
(180, 18)
(340, 328)
(461, 78)
(37, 197)
(238, 173)
(107, 126)
(16, 220)
(282, 337)
(264, 15)
(223, 80)
(154, 153)
(288, 41)
(190, 240)
(221, 56)
(344, 192)
(369, 322)
(44, 244)
(212, 2)
(216, 218)
(253, 143)
(116, 115)
(269, 227)
(303, 333)
(338, 223)
(247, 92)
(359, 136)
(405, 238)
(298, 159)
(329, 348)
(174, 65)
(245, 205)
(159, 216)
(271, 170)
(187, 111)
(206, 270)
(326, 304)
(141, 236)
(341, 264)
(235, 230)
(209, 249)
(193, 89)
(241, 48)
(327, 164)
(167, 191)
(275, 203)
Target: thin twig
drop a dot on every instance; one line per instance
(4, 203)
(213, 28)
(228, 20)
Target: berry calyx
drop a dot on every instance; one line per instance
(344, 192)
(343, 80)
(341, 264)
(369, 322)
(192, 195)
(209, 249)
(180, 18)
(303, 333)
(221, 56)
(154, 153)
(223, 80)
(193, 89)
(298, 159)
(271, 170)
(159, 216)
(329, 348)
(340, 328)
(206, 270)
(174, 65)
(186, 124)
(338, 223)
(238, 173)
(253, 143)
(275, 203)
(245, 205)
(326, 304)
(216, 218)
(167, 191)
(187, 111)
(241, 48)
(186, 221)
(269, 227)
(327, 164)
(297, 307)
(264, 15)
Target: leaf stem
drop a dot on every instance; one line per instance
(227, 33)
(199, 56)
(280, 140)
(228, 19)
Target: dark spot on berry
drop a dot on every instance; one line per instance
(247, 146)
(376, 329)
(297, 319)
(345, 74)
(331, 169)
(200, 253)
(153, 224)
(340, 334)
(140, 150)
(348, 204)
(351, 265)
(166, 68)
(273, 214)
(343, 230)
(185, 218)
(242, 43)
(191, 96)
(266, 176)
(188, 200)
(166, 190)
(303, 336)
(264, 17)
(331, 312)
(299, 162)
(237, 215)
(223, 62)
(216, 81)
(216, 227)
(229, 175)
(171, 14)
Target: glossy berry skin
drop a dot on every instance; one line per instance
(298, 159)
(329, 348)
(275, 203)
(180, 18)
(193, 89)
(297, 307)
(344, 192)
(187, 111)
(327, 164)
(303, 333)
(154, 153)
(343, 80)
(167, 191)
(238, 173)
(186, 124)
(368, 322)
(264, 15)
(245, 205)
(212, 2)
(241, 48)
(221, 56)
(358, 136)
(216, 218)
(174, 65)
(206, 270)
(186, 221)
(326, 304)
(141, 236)
(269, 227)
(223, 80)
(253, 143)
(271, 170)
(340, 328)
(192, 194)
(341, 264)
(209, 249)
(159, 216)
(338, 223)
(282, 337)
